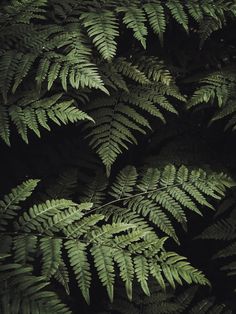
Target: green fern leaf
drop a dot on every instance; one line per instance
(102, 27)
(9, 206)
(38, 215)
(4, 125)
(156, 17)
(195, 10)
(31, 114)
(105, 267)
(26, 293)
(65, 218)
(24, 66)
(42, 71)
(53, 73)
(110, 134)
(142, 272)
(51, 250)
(106, 231)
(134, 19)
(62, 276)
(156, 272)
(24, 11)
(125, 183)
(113, 78)
(83, 226)
(95, 191)
(24, 247)
(125, 264)
(130, 70)
(8, 68)
(156, 193)
(17, 116)
(178, 13)
(176, 266)
(155, 70)
(81, 267)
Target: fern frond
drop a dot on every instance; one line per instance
(24, 65)
(102, 27)
(4, 125)
(216, 87)
(125, 183)
(39, 214)
(21, 291)
(62, 276)
(126, 267)
(8, 68)
(226, 252)
(156, 17)
(81, 267)
(115, 121)
(130, 70)
(163, 302)
(155, 70)
(111, 133)
(128, 241)
(105, 267)
(178, 13)
(9, 206)
(142, 272)
(51, 250)
(83, 226)
(24, 247)
(64, 218)
(122, 215)
(156, 193)
(95, 190)
(195, 10)
(175, 267)
(26, 114)
(24, 11)
(107, 231)
(77, 74)
(134, 18)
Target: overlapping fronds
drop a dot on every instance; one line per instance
(160, 195)
(29, 112)
(120, 116)
(224, 229)
(96, 61)
(218, 89)
(85, 23)
(51, 45)
(9, 205)
(102, 27)
(23, 292)
(49, 232)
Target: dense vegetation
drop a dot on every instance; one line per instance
(117, 123)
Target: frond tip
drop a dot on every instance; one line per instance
(27, 114)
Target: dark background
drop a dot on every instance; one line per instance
(183, 140)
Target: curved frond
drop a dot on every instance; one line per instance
(134, 18)
(9, 206)
(102, 27)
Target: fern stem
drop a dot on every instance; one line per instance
(140, 194)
